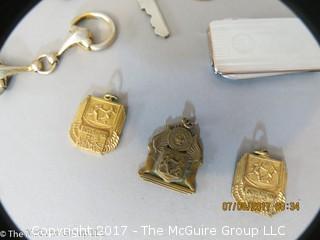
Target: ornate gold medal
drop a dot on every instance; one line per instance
(260, 179)
(98, 124)
(175, 154)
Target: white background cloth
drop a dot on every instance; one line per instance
(45, 181)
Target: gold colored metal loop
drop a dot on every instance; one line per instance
(95, 15)
(110, 97)
(187, 123)
(45, 64)
(263, 153)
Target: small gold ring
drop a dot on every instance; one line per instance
(110, 97)
(39, 65)
(105, 18)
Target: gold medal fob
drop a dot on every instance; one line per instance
(98, 124)
(175, 154)
(261, 180)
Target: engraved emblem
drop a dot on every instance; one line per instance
(259, 178)
(175, 154)
(180, 139)
(98, 124)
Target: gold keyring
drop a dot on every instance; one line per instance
(107, 19)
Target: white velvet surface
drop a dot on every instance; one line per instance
(45, 181)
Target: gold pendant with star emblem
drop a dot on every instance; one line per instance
(98, 124)
(260, 179)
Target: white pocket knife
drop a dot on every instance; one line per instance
(250, 48)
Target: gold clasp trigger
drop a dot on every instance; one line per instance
(99, 16)
(82, 37)
(79, 36)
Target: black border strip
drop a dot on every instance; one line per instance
(12, 11)
(10, 19)
(307, 10)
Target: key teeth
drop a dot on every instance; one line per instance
(151, 19)
(145, 9)
(164, 35)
